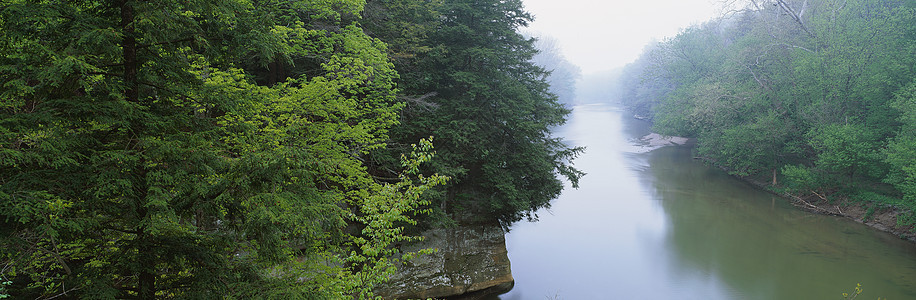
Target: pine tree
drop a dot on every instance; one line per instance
(489, 108)
(156, 149)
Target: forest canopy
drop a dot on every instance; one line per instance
(269, 149)
(815, 97)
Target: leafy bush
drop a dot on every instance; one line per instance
(799, 178)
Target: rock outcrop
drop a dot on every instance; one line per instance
(468, 259)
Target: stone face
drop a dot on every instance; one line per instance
(469, 258)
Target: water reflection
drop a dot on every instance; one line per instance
(765, 249)
(660, 225)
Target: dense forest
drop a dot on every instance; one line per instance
(815, 97)
(260, 149)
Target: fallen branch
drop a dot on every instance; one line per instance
(819, 196)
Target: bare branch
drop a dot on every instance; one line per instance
(793, 46)
(803, 8)
(795, 16)
(421, 101)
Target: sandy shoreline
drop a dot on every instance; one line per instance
(654, 141)
(658, 140)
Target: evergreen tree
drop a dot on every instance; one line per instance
(489, 108)
(141, 158)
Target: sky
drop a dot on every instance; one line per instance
(601, 35)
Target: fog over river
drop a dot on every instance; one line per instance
(661, 225)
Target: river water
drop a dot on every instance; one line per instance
(661, 225)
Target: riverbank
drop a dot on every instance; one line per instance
(881, 218)
(661, 225)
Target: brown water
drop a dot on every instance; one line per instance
(660, 225)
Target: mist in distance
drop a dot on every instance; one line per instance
(599, 36)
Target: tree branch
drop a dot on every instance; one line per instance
(165, 43)
(795, 16)
(421, 101)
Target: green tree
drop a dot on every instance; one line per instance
(466, 77)
(901, 151)
(643, 82)
(749, 148)
(847, 150)
(140, 157)
(802, 86)
(491, 114)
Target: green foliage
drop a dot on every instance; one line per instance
(847, 149)
(3, 284)
(486, 103)
(186, 149)
(855, 293)
(868, 214)
(900, 153)
(404, 25)
(901, 150)
(823, 85)
(384, 211)
(800, 178)
(747, 148)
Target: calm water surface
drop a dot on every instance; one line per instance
(660, 225)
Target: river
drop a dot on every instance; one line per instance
(661, 225)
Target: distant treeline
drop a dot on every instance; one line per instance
(817, 97)
(259, 149)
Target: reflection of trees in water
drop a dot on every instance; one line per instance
(761, 247)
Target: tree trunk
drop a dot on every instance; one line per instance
(774, 176)
(129, 51)
(276, 72)
(147, 283)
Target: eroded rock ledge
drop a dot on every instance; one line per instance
(469, 259)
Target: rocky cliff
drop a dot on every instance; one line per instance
(469, 259)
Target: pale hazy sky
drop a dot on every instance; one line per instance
(600, 35)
